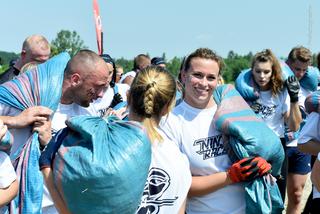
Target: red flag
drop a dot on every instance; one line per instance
(98, 24)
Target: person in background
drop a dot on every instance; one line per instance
(299, 163)
(158, 61)
(34, 48)
(119, 74)
(277, 104)
(140, 62)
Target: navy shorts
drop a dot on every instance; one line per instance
(298, 162)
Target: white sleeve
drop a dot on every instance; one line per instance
(168, 125)
(7, 173)
(310, 129)
(319, 156)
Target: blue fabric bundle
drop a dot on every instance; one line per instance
(101, 165)
(249, 136)
(40, 86)
(246, 85)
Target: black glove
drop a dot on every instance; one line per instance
(293, 87)
(116, 100)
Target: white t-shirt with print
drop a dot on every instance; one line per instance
(194, 131)
(272, 109)
(310, 131)
(100, 106)
(168, 181)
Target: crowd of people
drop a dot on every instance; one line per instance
(192, 161)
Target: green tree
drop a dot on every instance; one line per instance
(234, 64)
(68, 41)
(173, 66)
(126, 64)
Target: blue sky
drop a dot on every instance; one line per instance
(175, 27)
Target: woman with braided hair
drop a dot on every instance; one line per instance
(152, 96)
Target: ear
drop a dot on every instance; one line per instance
(75, 79)
(23, 54)
(184, 76)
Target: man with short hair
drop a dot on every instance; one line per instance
(35, 48)
(140, 62)
(299, 163)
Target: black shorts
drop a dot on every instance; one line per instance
(298, 162)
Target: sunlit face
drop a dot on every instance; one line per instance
(200, 81)
(262, 72)
(110, 68)
(93, 86)
(299, 68)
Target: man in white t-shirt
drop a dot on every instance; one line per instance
(85, 80)
(299, 163)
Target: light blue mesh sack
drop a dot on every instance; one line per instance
(249, 136)
(101, 165)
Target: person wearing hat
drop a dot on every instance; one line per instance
(158, 61)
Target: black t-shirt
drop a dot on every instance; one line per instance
(9, 74)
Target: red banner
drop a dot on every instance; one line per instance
(98, 25)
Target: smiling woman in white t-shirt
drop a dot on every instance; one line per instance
(216, 182)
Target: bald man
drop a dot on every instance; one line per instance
(35, 48)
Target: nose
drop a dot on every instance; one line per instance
(299, 74)
(204, 81)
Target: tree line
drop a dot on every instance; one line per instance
(71, 42)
